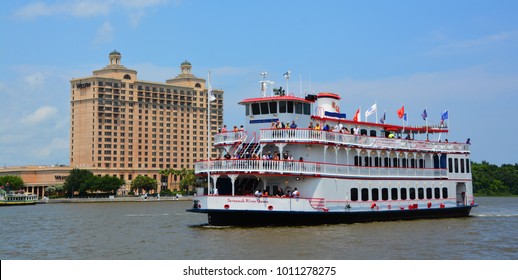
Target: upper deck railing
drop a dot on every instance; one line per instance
(313, 168)
(328, 137)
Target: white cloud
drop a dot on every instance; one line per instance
(42, 114)
(35, 80)
(57, 144)
(474, 45)
(104, 34)
(78, 8)
(134, 9)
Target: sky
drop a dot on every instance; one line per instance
(460, 56)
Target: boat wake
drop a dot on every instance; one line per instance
(496, 215)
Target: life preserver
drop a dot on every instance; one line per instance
(270, 207)
(373, 205)
(226, 206)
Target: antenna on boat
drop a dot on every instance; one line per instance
(263, 84)
(287, 77)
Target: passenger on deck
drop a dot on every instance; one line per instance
(310, 126)
(295, 193)
(280, 192)
(258, 193)
(224, 129)
(293, 125)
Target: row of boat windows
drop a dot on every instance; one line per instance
(373, 194)
(274, 107)
(388, 162)
(455, 165)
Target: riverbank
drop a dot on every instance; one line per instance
(115, 199)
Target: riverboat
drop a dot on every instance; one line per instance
(280, 170)
(13, 198)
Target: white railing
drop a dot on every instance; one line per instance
(307, 135)
(312, 168)
(226, 138)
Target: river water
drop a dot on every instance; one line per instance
(165, 231)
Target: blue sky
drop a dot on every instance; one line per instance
(460, 56)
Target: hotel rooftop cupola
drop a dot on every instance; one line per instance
(115, 58)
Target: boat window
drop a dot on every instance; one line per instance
(357, 161)
(354, 194)
(429, 193)
(363, 131)
(375, 194)
(435, 161)
(393, 193)
(255, 109)
(372, 133)
(467, 166)
(387, 162)
(444, 193)
(282, 107)
(264, 108)
(247, 109)
(368, 161)
(365, 194)
(456, 165)
(273, 107)
(420, 193)
(443, 161)
(421, 163)
(395, 162)
(298, 108)
(412, 163)
(450, 165)
(462, 165)
(437, 193)
(307, 109)
(412, 193)
(403, 194)
(290, 106)
(384, 194)
(377, 161)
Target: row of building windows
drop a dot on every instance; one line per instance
(366, 194)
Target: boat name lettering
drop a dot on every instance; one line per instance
(247, 200)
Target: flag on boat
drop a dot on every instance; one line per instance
(404, 117)
(424, 115)
(357, 117)
(401, 112)
(382, 120)
(444, 116)
(371, 110)
(211, 93)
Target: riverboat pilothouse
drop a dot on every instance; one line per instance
(300, 161)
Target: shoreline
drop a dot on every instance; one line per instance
(115, 199)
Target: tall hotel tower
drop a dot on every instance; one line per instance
(125, 127)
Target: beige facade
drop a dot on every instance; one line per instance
(125, 127)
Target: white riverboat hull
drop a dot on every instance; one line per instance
(263, 211)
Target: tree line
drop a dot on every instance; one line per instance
(492, 180)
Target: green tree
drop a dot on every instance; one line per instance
(77, 181)
(143, 183)
(109, 184)
(11, 183)
(187, 176)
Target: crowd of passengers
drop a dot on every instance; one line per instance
(266, 156)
